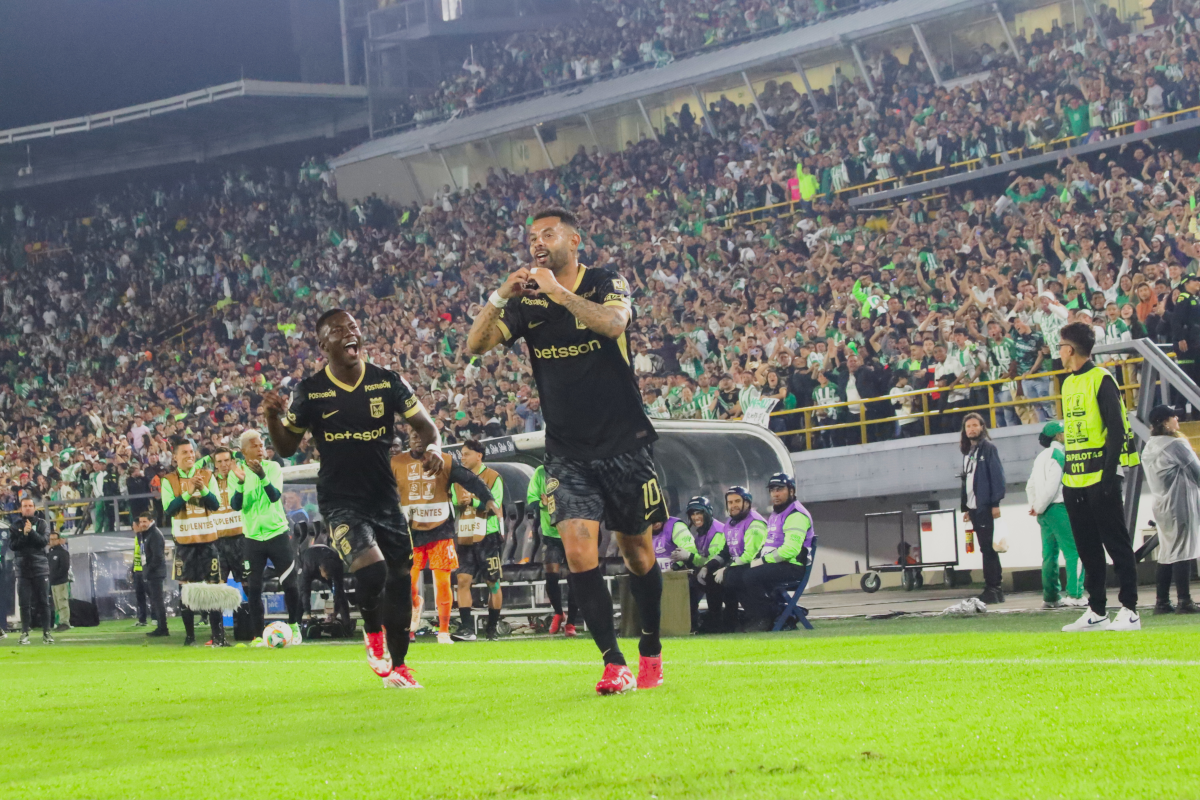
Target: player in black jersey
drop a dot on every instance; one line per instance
(599, 460)
(350, 408)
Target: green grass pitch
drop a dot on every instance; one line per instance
(1004, 706)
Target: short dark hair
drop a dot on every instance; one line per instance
(321, 320)
(474, 444)
(178, 442)
(564, 216)
(145, 513)
(1079, 335)
(218, 451)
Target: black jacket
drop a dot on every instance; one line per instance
(871, 381)
(138, 485)
(60, 565)
(154, 564)
(32, 544)
(989, 477)
(1185, 323)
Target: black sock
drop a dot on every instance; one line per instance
(572, 609)
(397, 612)
(189, 622)
(464, 618)
(216, 624)
(595, 602)
(371, 579)
(291, 600)
(493, 618)
(647, 593)
(554, 592)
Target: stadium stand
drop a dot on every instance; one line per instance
(737, 302)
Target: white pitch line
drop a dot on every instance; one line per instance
(863, 662)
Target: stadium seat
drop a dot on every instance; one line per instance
(790, 594)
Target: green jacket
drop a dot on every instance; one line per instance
(262, 517)
(537, 489)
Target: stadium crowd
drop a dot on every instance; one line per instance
(818, 308)
(1017, 99)
(608, 38)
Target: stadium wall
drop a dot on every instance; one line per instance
(840, 485)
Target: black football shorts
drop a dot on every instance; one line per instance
(553, 551)
(353, 532)
(197, 563)
(232, 552)
(482, 560)
(623, 491)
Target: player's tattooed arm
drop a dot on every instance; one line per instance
(485, 333)
(609, 321)
(285, 441)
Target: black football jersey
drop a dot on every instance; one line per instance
(353, 427)
(589, 394)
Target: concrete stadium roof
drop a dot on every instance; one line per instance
(696, 70)
(208, 123)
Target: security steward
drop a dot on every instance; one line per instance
(1185, 328)
(27, 540)
(674, 547)
(189, 497)
(1098, 442)
(708, 535)
(154, 567)
(231, 538)
(783, 558)
(745, 532)
(425, 501)
(138, 577)
(480, 543)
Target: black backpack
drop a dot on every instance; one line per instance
(84, 614)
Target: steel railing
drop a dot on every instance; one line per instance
(969, 165)
(810, 427)
(78, 516)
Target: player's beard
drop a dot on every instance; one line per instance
(558, 261)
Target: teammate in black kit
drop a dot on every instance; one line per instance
(599, 461)
(350, 409)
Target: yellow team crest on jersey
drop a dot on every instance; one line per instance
(376, 406)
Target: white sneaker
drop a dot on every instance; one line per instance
(1052, 604)
(1126, 620)
(444, 637)
(1090, 621)
(1074, 602)
(297, 638)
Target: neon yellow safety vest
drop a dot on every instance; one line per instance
(1084, 430)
